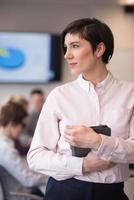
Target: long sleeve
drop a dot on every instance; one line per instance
(118, 149)
(44, 155)
(110, 103)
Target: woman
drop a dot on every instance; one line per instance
(71, 111)
(12, 116)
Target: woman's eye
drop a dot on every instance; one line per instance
(75, 45)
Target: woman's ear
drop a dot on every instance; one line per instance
(100, 49)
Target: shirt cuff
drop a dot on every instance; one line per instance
(106, 148)
(74, 164)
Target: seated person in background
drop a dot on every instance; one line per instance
(37, 99)
(12, 116)
(22, 142)
(19, 99)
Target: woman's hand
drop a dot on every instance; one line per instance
(92, 163)
(82, 136)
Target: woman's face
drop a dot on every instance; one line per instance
(79, 54)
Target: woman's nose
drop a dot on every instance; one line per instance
(68, 54)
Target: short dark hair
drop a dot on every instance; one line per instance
(37, 91)
(12, 112)
(94, 31)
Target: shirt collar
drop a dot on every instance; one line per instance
(86, 85)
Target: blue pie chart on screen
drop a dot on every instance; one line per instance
(11, 58)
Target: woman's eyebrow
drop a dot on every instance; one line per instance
(74, 42)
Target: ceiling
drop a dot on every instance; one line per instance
(61, 1)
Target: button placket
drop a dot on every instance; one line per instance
(96, 103)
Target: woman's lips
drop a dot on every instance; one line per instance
(72, 65)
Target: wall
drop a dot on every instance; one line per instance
(53, 15)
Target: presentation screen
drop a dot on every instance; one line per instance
(29, 57)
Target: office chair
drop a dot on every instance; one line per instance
(1, 192)
(12, 189)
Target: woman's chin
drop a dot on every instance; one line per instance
(75, 72)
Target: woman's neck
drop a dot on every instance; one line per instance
(96, 75)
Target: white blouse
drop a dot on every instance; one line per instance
(110, 103)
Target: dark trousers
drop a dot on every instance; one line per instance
(72, 189)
